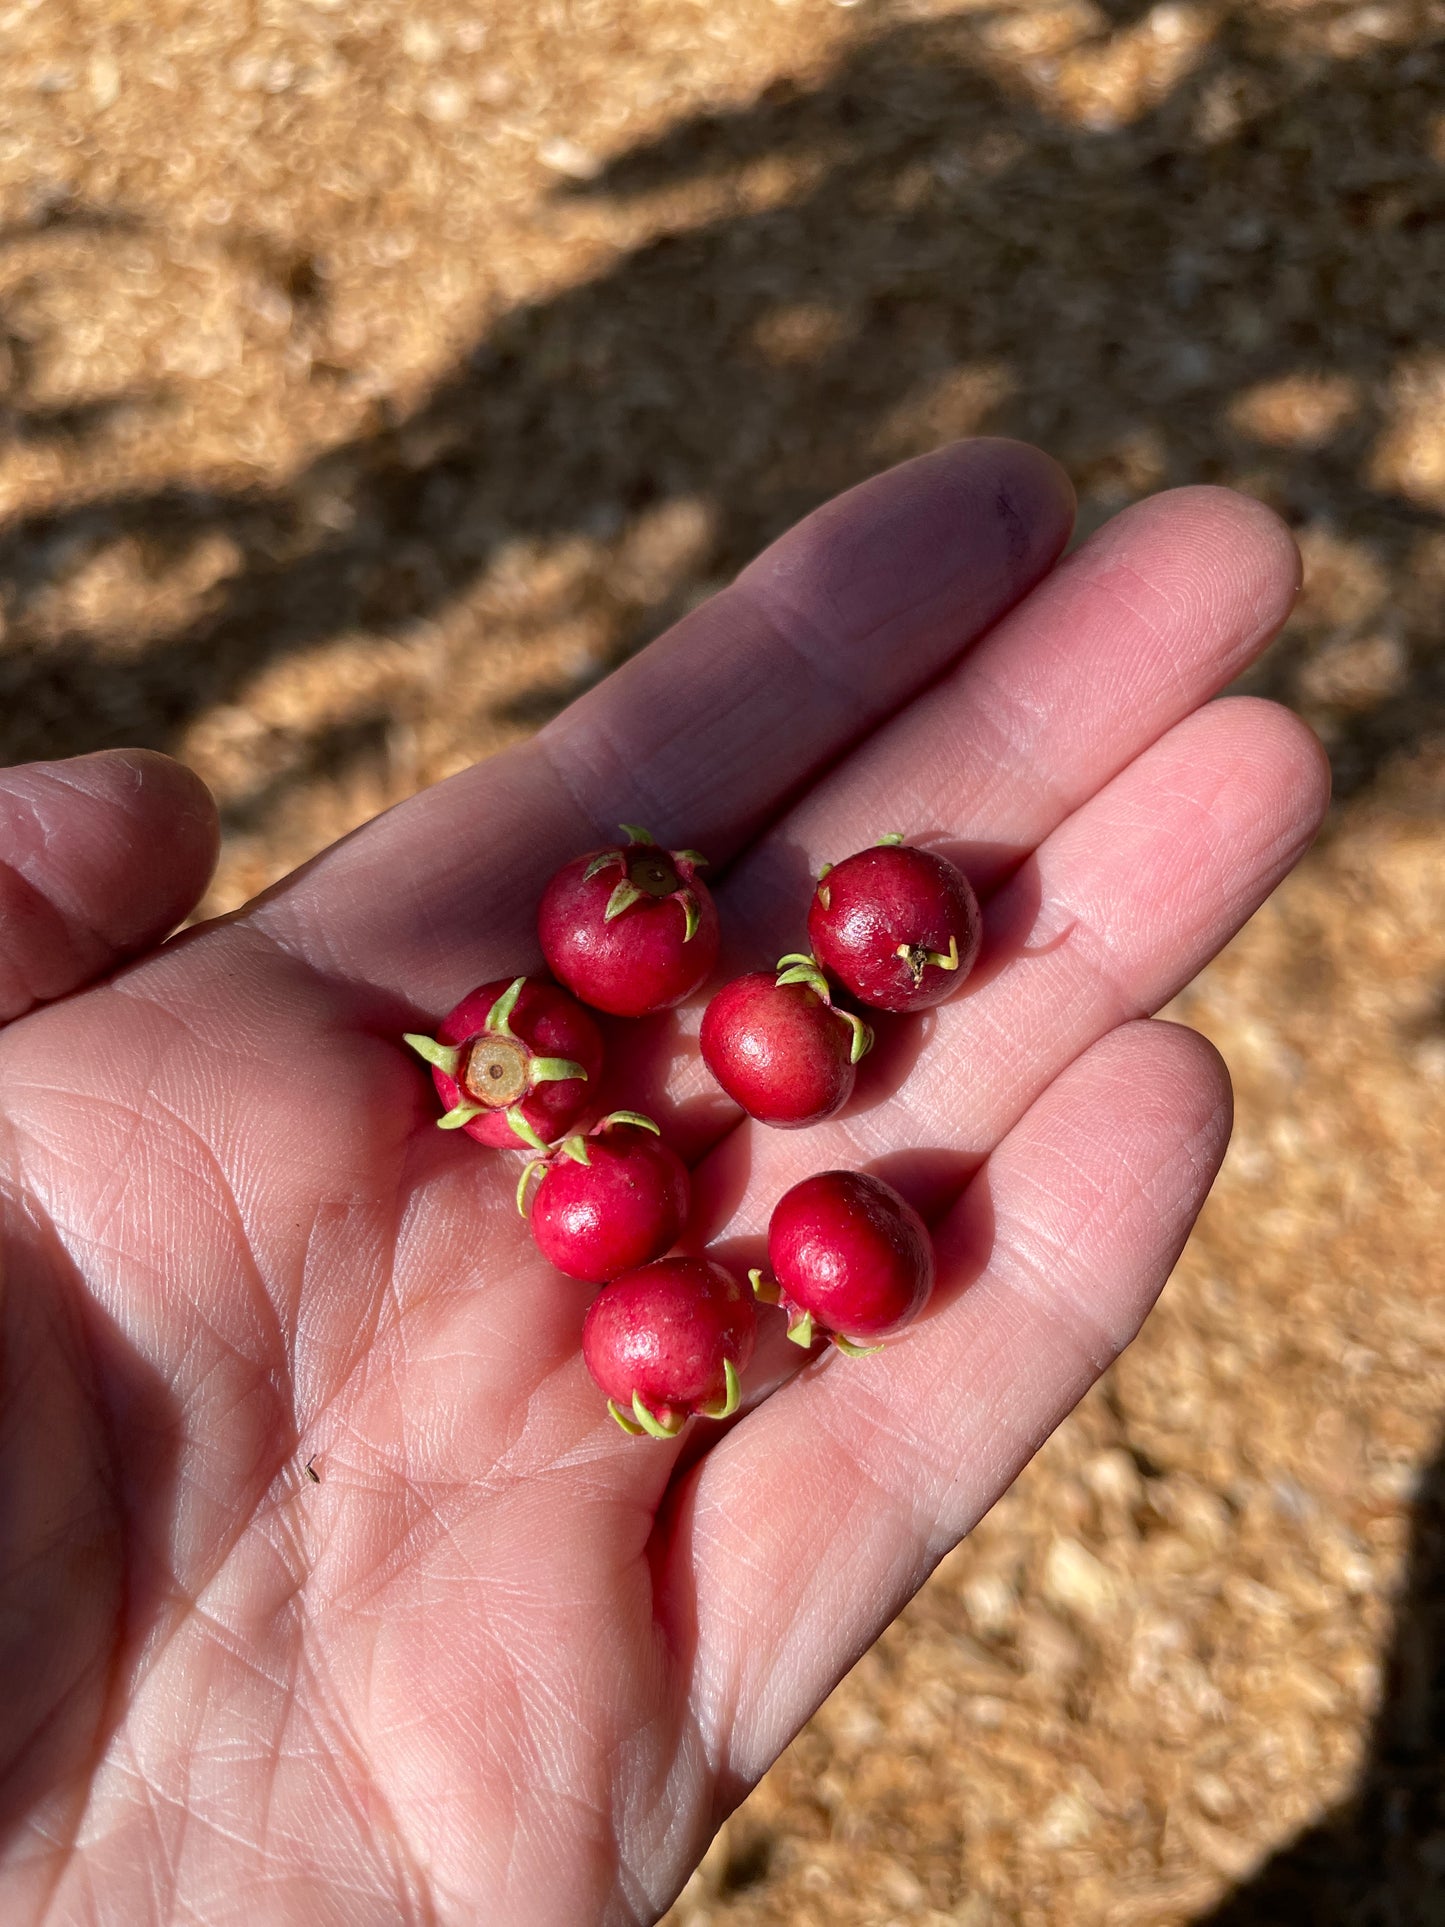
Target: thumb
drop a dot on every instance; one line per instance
(100, 857)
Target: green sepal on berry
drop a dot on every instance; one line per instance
(655, 1427)
(553, 1070)
(529, 1171)
(446, 1057)
(919, 959)
(731, 1396)
(498, 1019)
(801, 1327)
(801, 967)
(608, 933)
(523, 1130)
(622, 898)
(765, 1290)
(649, 873)
(642, 1421)
(575, 1147)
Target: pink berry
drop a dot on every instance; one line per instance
(778, 1046)
(609, 1201)
(851, 1259)
(667, 1340)
(898, 927)
(630, 930)
(514, 1064)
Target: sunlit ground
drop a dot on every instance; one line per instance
(372, 380)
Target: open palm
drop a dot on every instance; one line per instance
(502, 1662)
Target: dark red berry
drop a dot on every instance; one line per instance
(515, 1064)
(668, 1340)
(778, 1046)
(898, 927)
(609, 1201)
(630, 930)
(851, 1259)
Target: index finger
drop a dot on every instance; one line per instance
(707, 733)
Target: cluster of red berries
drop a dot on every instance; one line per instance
(632, 930)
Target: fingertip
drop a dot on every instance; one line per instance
(1284, 743)
(145, 802)
(1193, 1077)
(940, 544)
(1160, 1078)
(1234, 549)
(1022, 487)
(1030, 483)
(100, 856)
(151, 771)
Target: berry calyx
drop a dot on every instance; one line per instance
(897, 926)
(780, 1047)
(608, 1202)
(631, 929)
(851, 1260)
(668, 1340)
(513, 1063)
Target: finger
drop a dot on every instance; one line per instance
(706, 733)
(100, 857)
(828, 631)
(1116, 911)
(1154, 615)
(1149, 619)
(875, 1468)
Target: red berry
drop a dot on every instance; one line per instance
(668, 1340)
(515, 1063)
(898, 927)
(852, 1259)
(608, 1202)
(779, 1048)
(630, 930)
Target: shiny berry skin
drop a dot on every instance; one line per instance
(667, 1340)
(630, 930)
(608, 1202)
(851, 1259)
(779, 1048)
(898, 927)
(515, 1064)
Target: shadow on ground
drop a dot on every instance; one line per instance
(952, 258)
(956, 259)
(1379, 1859)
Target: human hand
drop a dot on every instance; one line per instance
(504, 1662)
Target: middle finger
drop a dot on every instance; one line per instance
(1114, 913)
(1147, 620)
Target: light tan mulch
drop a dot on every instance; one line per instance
(374, 376)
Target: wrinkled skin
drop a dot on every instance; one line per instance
(495, 1660)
